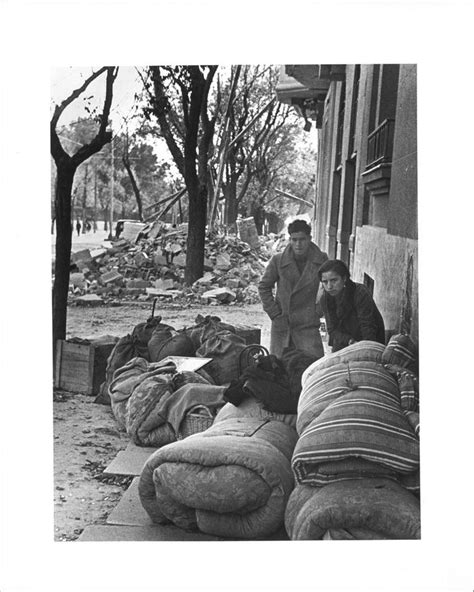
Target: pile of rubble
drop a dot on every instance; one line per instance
(153, 265)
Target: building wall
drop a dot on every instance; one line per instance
(384, 249)
(403, 211)
(392, 262)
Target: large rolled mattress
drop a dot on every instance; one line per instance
(232, 481)
(353, 509)
(351, 422)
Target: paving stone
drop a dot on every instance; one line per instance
(157, 532)
(129, 461)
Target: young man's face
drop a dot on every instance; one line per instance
(299, 242)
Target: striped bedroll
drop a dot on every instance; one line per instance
(401, 351)
(408, 386)
(324, 387)
(362, 351)
(360, 424)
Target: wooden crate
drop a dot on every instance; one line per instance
(80, 367)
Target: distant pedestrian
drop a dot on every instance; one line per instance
(78, 228)
(349, 309)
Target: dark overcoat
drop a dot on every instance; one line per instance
(292, 308)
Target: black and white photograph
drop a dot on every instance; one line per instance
(241, 264)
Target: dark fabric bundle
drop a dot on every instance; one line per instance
(267, 382)
(144, 331)
(206, 327)
(224, 348)
(296, 362)
(165, 344)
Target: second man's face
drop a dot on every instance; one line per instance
(300, 242)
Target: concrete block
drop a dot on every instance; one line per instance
(91, 299)
(141, 259)
(84, 255)
(96, 253)
(110, 277)
(180, 260)
(208, 264)
(142, 284)
(205, 280)
(159, 260)
(232, 283)
(223, 262)
(220, 294)
(77, 279)
(163, 284)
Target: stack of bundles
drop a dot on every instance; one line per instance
(357, 457)
(152, 400)
(232, 480)
(154, 341)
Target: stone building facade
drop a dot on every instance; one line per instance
(366, 194)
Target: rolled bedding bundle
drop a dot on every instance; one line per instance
(352, 423)
(353, 509)
(361, 425)
(151, 400)
(232, 480)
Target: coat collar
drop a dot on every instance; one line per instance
(315, 255)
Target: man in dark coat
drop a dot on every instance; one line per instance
(292, 309)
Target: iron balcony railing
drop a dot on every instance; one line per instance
(380, 144)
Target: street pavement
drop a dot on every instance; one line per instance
(89, 240)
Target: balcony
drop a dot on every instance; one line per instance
(378, 170)
(380, 144)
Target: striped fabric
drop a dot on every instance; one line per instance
(363, 424)
(408, 386)
(363, 351)
(401, 351)
(323, 387)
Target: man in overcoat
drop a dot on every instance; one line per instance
(292, 308)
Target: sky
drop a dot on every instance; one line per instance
(64, 80)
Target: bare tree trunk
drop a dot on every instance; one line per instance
(136, 190)
(231, 204)
(196, 234)
(63, 250)
(84, 199)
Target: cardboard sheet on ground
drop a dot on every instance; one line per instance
(184, 363)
